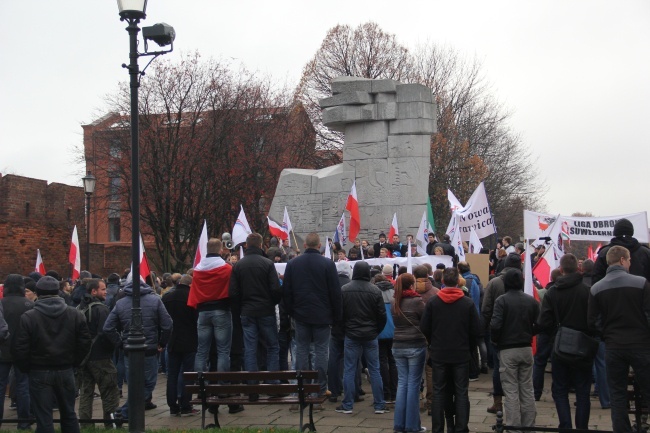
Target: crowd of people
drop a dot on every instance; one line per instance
(427, 333)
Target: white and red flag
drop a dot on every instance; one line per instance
(75, 255)
(394, 230)
(286, 224)
(40, 267)
(202, 247)
(145, 270)
(241, 230)
(549, 261)
(352, 206)
(277, 230)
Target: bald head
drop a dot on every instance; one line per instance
(214, 246)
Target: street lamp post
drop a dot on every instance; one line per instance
(132, 11)
(89, 188)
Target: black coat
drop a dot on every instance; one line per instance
(514, 320)
(640, 255)
(97, 312)
(570, 297)
(254, 285)
(184, 337)
(311, 290)
(364, 313)
(13, 305)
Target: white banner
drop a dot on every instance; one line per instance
(476, 214)
(401, 261)
(537, 225)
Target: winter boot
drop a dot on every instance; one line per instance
(497, 406)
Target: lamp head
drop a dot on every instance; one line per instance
(89, 183)
(162, 33)
(133, 9)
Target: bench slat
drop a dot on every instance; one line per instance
(238, 376)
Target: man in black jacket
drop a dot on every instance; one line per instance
(566, 303)
(255, 291)
(98, 368)
(312, 296)
(451, 325)
(14, 305)
(624, 237)
(51, 340)
(512, 329)
(619, 309)
(181, 348)
(364, 317)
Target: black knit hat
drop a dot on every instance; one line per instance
(623, 227)
(47, 286)
(513, 261)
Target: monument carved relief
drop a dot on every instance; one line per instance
(387, 127)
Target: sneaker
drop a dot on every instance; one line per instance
(174, 412)
(380, 411)
(333, 399)
(423, 429)
(484, 369)
(340, 409)
(473, 379)
(190, 411)
(149, 406)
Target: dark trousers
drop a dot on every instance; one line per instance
(43, 384)
(496, 377)
(564, 376)
(102, 373)
(544, 349)
(334, 366)
(450, 380)
(177, 364)
(388, 368)
(21, 392)
(618, 362)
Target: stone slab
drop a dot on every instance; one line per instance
(355, 151)
(385, 97)
(387, 111)
(414, 93)
(366, 132)
(384, 86)
(402, 146)
(351, 84)
(416, 110)
(294, 181)
(412, 126)
(349, 114)
(332, 179)
(348, 98)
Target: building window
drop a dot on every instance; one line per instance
(114, 188)
(115, 148)
(114, 229)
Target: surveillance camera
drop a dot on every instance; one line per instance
(163, 34)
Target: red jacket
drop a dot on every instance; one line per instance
(210, 281)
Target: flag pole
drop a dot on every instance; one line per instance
(295, 241)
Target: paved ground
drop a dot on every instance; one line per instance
(363, 420)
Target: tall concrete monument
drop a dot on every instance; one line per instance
(387, 127)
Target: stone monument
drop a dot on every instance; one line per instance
(387, 146)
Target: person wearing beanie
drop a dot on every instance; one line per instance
(493, 290)
(52, 339)
(14, 303)
(512, 328)
(387, 271)
(624, 237)
(30, 289)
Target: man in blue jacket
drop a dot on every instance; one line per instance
(312, 297)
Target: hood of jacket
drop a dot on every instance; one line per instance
(384, 285)
(144, 289)
(51, 306)
(361, 271)
(568, 281)
(449, 295)
(626, 241)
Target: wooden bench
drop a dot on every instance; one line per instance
(214, 388)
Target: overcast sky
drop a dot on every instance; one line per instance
(575, 75)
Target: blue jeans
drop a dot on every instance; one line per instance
(320, 336)
(264, 329)
(334, 367)
(601, 376)
(43, 384)
(352, 352)
(118, 360)
(563, 376)
(450, 380)
(150, 379)
(215, 325)
(618, 363)
(544, 349)
(22, 393)
(177, 364)
(410, 364)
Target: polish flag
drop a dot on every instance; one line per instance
(202, 247)
(286, 224)
(144, 263)
(590, 252)
(595, 254)
(40, 267)
(242, 229)
(75, 255)
(277, 230)
(393, 229)
(353, 207)
(549, 261)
